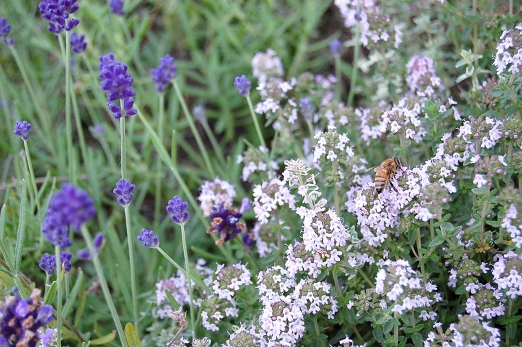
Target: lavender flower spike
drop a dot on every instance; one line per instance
(148, 238)
(69, 207)
(178, 210)
(78, 43)
(123, 191)
(116, 7)
(5, 29)
(22, 129)
(58, 12)
(165, 73)
(243, 85)
(117, 82)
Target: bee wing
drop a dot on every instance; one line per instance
(375, 168)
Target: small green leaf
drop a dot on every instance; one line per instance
(438, 240)
(417, 339)
(104, 339)
(377, 334)
(171, 300)
(133, 340)
(50, 294)
(461, 290)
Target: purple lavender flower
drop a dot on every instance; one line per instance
(84, 254)
(78, 43)
(47, 337)
(99, 239)
(123, 191)
(58, 12)
(55, 230)
(148, 238)
(243, 85)
(165, 73)
(178, 210)
(116, 7)
(335, 46)
(20, 320)
(70, 206)
(48, 263)
(5, 29)
(22, 129)
(118, 84)
(73, 204)
(65, 258)
(225, 222)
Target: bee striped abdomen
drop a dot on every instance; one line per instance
(385, 172)
(381, 177)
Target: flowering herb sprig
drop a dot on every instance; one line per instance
(179, 214)
(116, 7)
(117, 83)
(58, 12)
(243, 85)
(20, 320)
(78, 44)
(70, 207)
(5, 30)
(22, 129)
(165, 73)
(123, 191)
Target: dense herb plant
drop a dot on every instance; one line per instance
(253, 203)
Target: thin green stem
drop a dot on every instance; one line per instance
(104, 286)
(79, 128)
(337, 285)
(189, 280)
(396, 330)
(20, 238)
(59, 292)
(419, 253)
(355, 61)
(256, 123)
(132, 262)
(192, 126)
(195, 277)
(370, 283)
(32, 178)
(68, 118)
(215, 145)
(123, 144)
(158, 178)
(172, 261)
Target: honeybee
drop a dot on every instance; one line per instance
(385, 172)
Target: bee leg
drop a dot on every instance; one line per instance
(391, 184)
